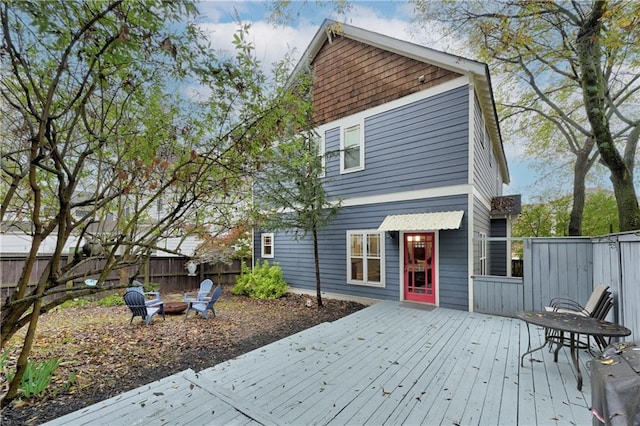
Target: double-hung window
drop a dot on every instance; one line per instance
(352, 148)
(365, 254)
(267, 245)
(318, 144)
(483, 253)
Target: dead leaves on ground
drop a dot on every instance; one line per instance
(109, 356)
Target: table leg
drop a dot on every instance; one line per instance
(559, 345)
(529, 346)
(574, 358)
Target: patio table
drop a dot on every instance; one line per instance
(573, 324)
(615, 385)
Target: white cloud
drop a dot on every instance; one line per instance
(273, 43)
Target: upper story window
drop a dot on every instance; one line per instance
(319, 143)
(267, 245)
(352, 148)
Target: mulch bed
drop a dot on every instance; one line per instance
(108, 356)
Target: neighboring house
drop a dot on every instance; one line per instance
(421, 169)
(19, 243)
(15, 240)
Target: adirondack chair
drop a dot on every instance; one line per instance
(136, 303)
(151, 297)
(204, 306)
(202, 295)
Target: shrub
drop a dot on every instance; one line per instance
(79, 302)
(265, 282)
(111, 300)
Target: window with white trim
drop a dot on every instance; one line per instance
(483, 253)
(267, 245)
(318, 142)
(351, 148)
(365, 258)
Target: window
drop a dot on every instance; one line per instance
(351, 149)
(267, 245)
(318, 142)
(483, 253)
(365, 254)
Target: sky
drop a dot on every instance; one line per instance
(392, 18)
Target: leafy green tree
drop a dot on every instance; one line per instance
(549, 219)
(570, 73)
(600, 214)
(543, 219)
(123, 128)
(291, 193)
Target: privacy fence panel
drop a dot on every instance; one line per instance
(553, 267)
(617, 264)
(569, 267)
(629, 308)
(557, 267)
(169, 273)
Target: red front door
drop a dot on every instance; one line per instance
(419, 267)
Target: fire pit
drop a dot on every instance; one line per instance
(175, 308)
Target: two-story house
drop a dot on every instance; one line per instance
(421, 159)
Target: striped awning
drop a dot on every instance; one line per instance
(422, 221)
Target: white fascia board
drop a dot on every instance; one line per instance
(417, 194)
(414, 51)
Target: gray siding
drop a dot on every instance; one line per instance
(486, 172)
(416, 146)
(296, 257)
(498, 295)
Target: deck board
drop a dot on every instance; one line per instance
(387, 364)
(377, 402)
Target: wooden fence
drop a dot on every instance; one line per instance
(168, 272)
(569, 267)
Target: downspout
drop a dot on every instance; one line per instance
(470, 215)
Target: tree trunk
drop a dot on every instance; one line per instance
(317, 262)
(23, 358)
(582, 166)
(589, 52)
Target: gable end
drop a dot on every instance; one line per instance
(350, 76)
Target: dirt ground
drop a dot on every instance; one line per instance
(102, 355)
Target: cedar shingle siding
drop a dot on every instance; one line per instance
(351, 76)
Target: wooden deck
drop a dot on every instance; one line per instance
(390, 363)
